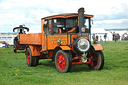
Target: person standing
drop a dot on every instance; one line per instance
(101, 39)
(125, 36)
(105, 36)
(116, 37)
(97, 38)
(94, 40)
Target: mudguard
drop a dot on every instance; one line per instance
(35, 50)
(98, 47)
(65, 48)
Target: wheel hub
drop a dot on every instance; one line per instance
(28, 57)
(61, 62)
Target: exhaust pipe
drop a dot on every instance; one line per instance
(81, 18)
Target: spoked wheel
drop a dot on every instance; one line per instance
(97, 60)
(31, 60)
(63, 61)
(28, 57)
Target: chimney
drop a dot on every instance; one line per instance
(81, 18)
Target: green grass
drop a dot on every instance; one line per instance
(14, 69)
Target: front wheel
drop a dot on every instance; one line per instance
(31, 60)
(63, 61)
(97, 60)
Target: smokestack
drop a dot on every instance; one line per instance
(81, 18)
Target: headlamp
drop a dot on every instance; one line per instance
(83, 45)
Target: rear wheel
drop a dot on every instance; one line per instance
(63, 61)
(31, 60)
(14, 46)
(97, 60)
(14, 49)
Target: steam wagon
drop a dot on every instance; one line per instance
(16, 45)
(64, 38)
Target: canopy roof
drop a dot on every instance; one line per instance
(67, 15)
(118, 29)
(21, 27)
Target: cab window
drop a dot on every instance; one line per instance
(71, 22)
(50, 26)
(86, 24)
(58, 25)
(46, 26)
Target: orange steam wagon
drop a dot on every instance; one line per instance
(64, 38)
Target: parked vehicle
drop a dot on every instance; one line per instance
(4, 44)
(20, 30)
(66, 39)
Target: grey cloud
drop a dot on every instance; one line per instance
(115, 13)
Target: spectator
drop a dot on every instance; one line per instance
(94, 40)
(125, 36)
(105, 36)
(113, 36)
(122, 37)
(116, 36)
(97, 38)
(101, 39)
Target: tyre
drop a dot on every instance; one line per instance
(97, 60)
(14, 49)
(31, 60)
(63, 61)
(14, 46)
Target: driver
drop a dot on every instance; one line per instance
(20, 31)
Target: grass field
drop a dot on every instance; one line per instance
(14, 69)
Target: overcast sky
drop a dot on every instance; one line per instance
(107, 13)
